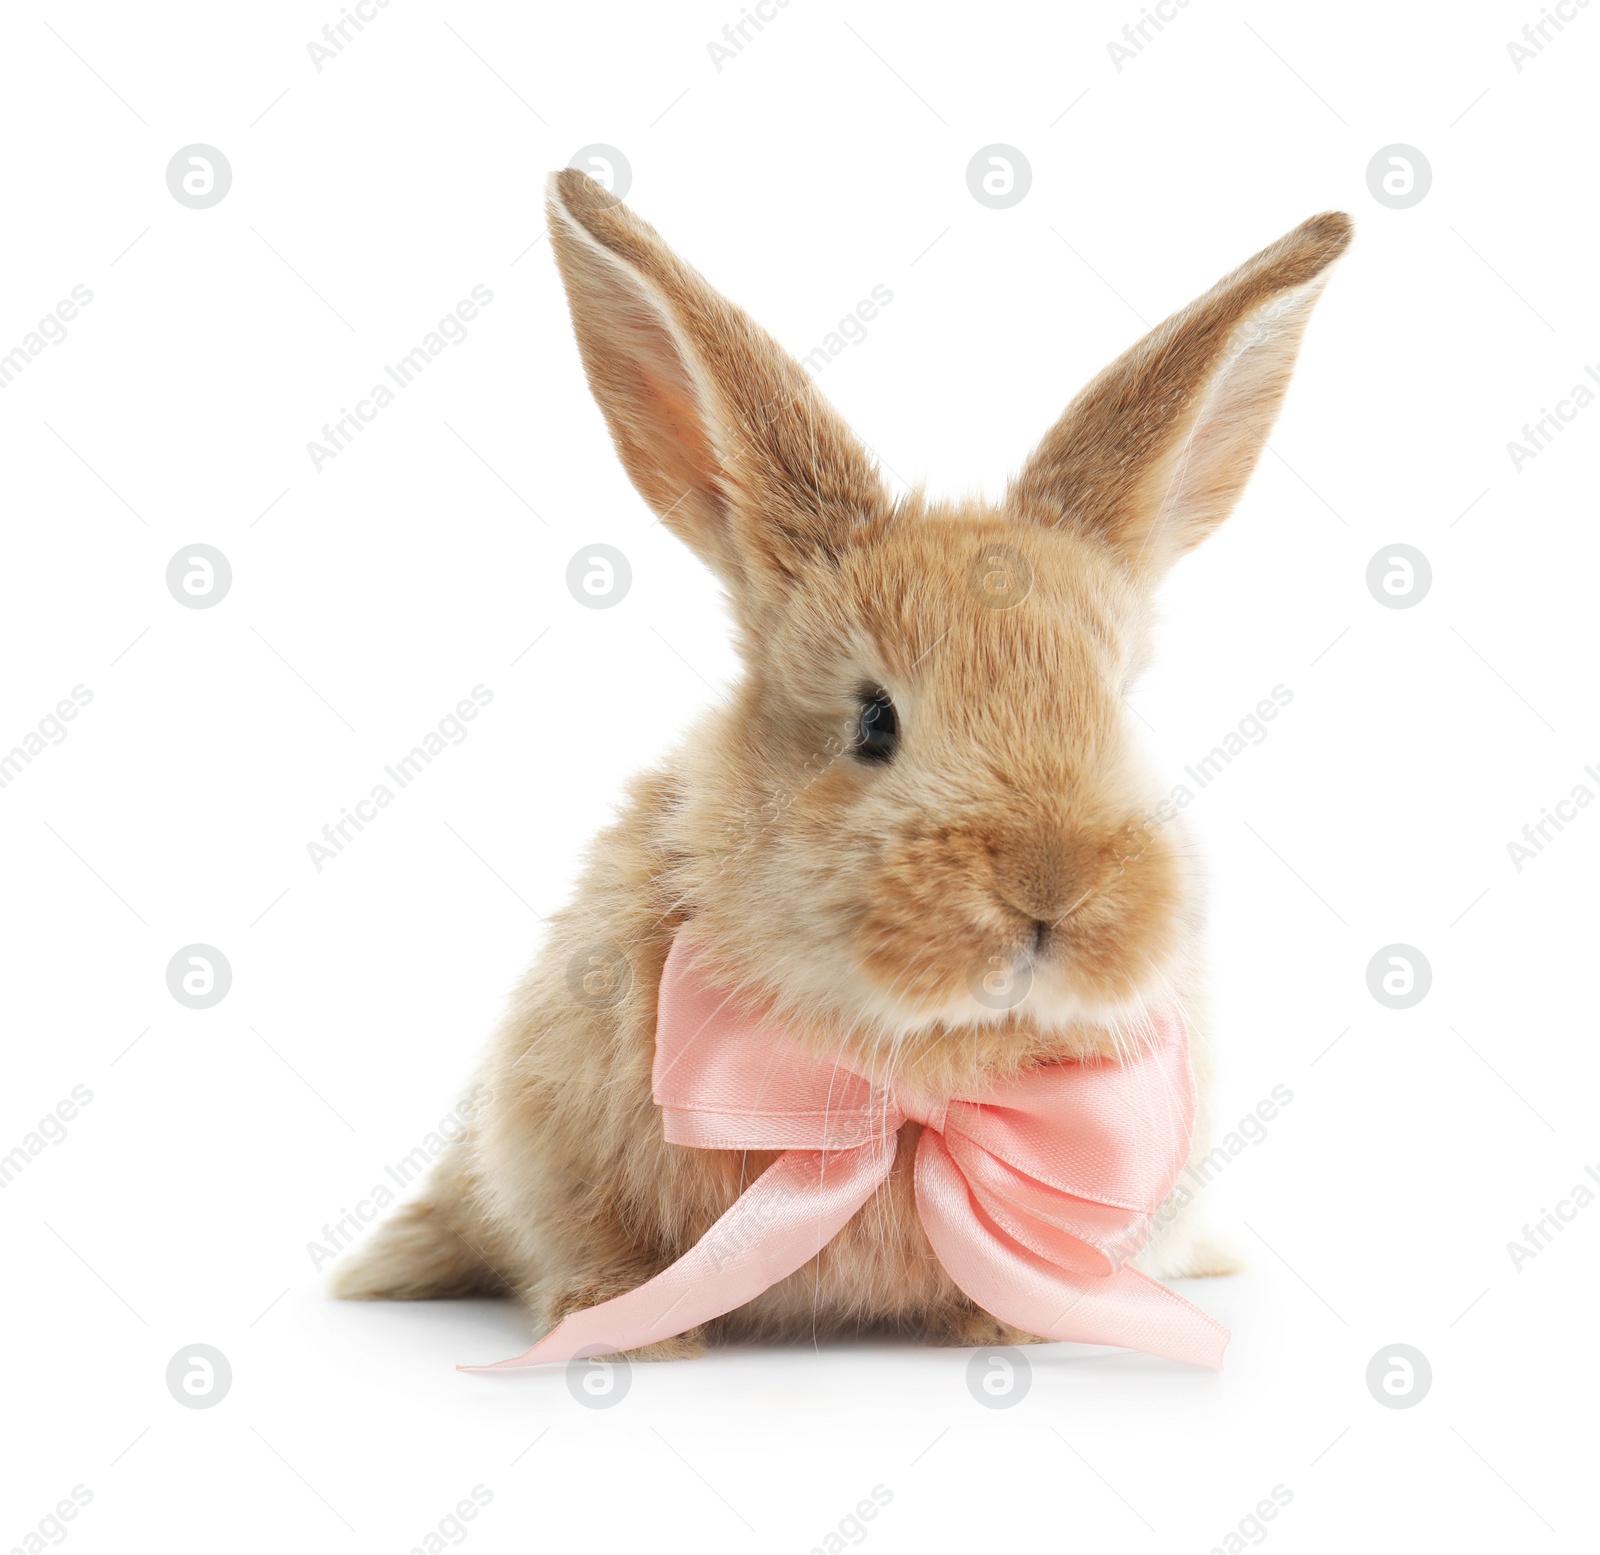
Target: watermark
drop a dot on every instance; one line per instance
(1537, 34)
(451, 330)
(599, 975)
(599, 576)
(1399, 976)
(337, 34)
(744, 1226)
(851, 330)
(51, 1130)
(199, 176)
(1399, 576)
(1399, 1376)
(999, 1378)
(1199, 1174)
(50, 730)
(1250, 730)
(452, 1527)
(1536, 835)
(1538, 435)
(606, 166)
(51, 1528)
(1538, 1235)
(51, 330)
(999, 176)
(1250, 1130)
(751, 823)
(404, 1174)
(852, 1527)
(598, 1377)
(999, 983)
(1252, 1528)
(1000, 576)
(199, 576)
(1399, 176)
(736, 35)
(199, 976)
(1136, 36)
(450, 730)
(199, 1376)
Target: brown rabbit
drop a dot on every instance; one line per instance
(927, 771)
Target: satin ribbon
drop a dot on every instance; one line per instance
(1033, 1194)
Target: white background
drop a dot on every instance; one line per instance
(828, 157)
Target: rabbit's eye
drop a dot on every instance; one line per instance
(877, 732)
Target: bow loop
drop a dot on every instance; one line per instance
(728, 1077)
(1114, 1132)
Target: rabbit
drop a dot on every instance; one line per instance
(927, 772)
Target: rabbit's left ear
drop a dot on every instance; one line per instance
(1153, 454)
(721, 430)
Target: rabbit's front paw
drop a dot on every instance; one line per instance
(969, 1326)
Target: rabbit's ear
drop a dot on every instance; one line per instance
(720, 429)
(1153, 454)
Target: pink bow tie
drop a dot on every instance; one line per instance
(1032, 1195)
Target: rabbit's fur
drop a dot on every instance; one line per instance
(1015, 826)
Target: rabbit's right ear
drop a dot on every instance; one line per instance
(719, 428)
(1152, 456)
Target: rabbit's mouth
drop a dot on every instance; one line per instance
(1049, 934)
(1022, 999)
(969, 932)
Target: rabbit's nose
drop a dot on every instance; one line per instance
(1034, 875)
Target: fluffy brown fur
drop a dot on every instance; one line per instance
(1012, 829)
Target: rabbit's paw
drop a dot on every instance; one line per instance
(1190, 1252)
(972, 1327)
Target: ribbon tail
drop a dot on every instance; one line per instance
(1019, 1287)
(783, 1220)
